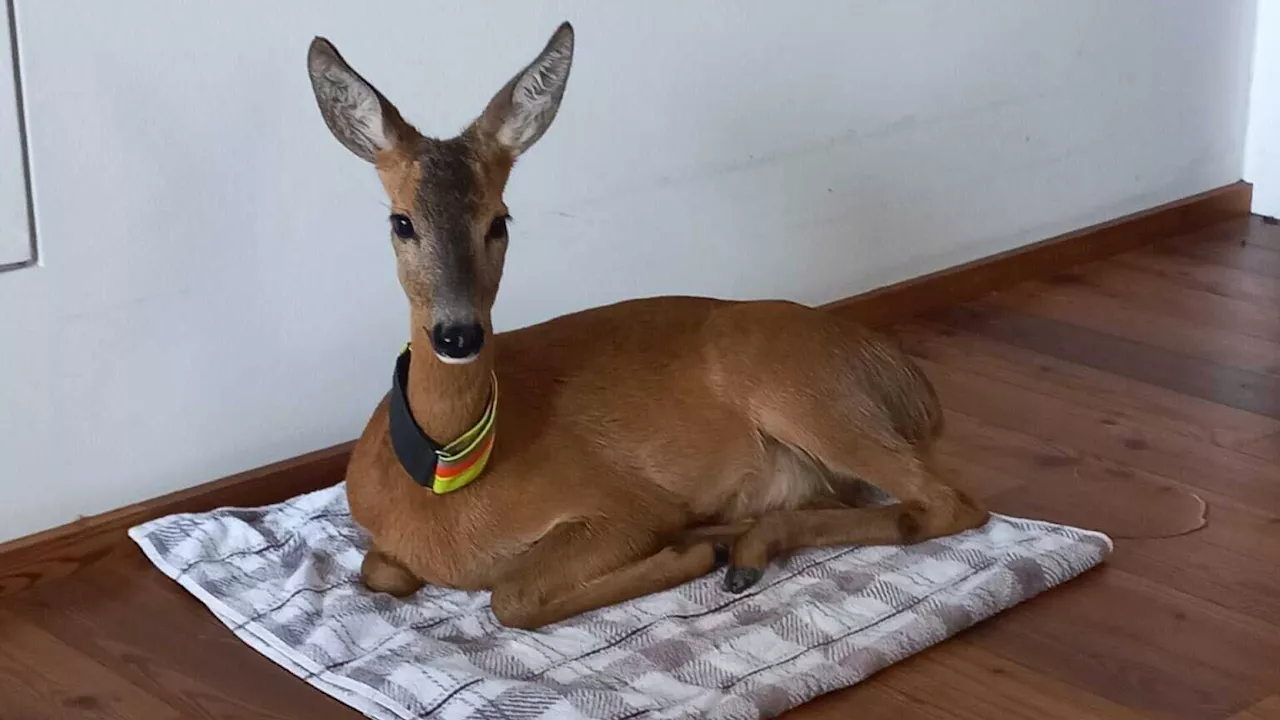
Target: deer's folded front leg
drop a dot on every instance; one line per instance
(579, 567)
(382, 573)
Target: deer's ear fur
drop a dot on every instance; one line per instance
(364, 121)
(525, 107)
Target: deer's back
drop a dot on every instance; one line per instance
(660, 361)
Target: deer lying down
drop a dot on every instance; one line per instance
(639, 445)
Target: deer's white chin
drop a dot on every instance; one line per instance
(456, 361)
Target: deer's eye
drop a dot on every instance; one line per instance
(498, 228)
(402, 227)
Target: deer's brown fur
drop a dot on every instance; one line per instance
(638, 444)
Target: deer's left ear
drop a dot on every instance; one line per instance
(524, 108)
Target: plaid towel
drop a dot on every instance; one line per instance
(285, 580)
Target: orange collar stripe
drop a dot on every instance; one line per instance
(451, 469)
(464, 459)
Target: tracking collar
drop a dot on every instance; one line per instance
(443, 469)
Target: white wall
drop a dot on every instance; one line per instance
(1262, 149)
(218, 290)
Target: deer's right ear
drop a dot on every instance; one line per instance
(356, 113)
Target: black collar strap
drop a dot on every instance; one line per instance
(417, 452)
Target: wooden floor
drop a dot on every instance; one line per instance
(1139, 378)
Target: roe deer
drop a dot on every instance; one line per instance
(639, 445)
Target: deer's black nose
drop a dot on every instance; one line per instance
(459, 343)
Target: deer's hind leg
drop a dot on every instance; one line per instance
(928, 507)
(581, 566)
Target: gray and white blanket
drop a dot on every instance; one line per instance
(285, 580)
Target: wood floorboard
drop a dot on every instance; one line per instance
(1214, 279)
(1146, 291)
(1230, 252)
(1232, 562)
(1150, 404)
(1105, 397)
(1139, 644)
(1110, 436)
(122, 614)
(1245, 243)
(1267, 448)
(962, 680)
(1253, 392)
(58, 675)
(1265, 234)
(1090, 312)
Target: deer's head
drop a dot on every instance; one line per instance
(448, 221)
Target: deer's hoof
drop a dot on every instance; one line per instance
(738, 579)
(723, 554)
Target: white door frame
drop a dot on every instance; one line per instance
(1262, 142)
(18, 246)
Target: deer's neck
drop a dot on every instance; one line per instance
(446, 400)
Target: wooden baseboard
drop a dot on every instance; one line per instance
(928, 293)
(58, 552)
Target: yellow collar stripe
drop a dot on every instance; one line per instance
(464, 459)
